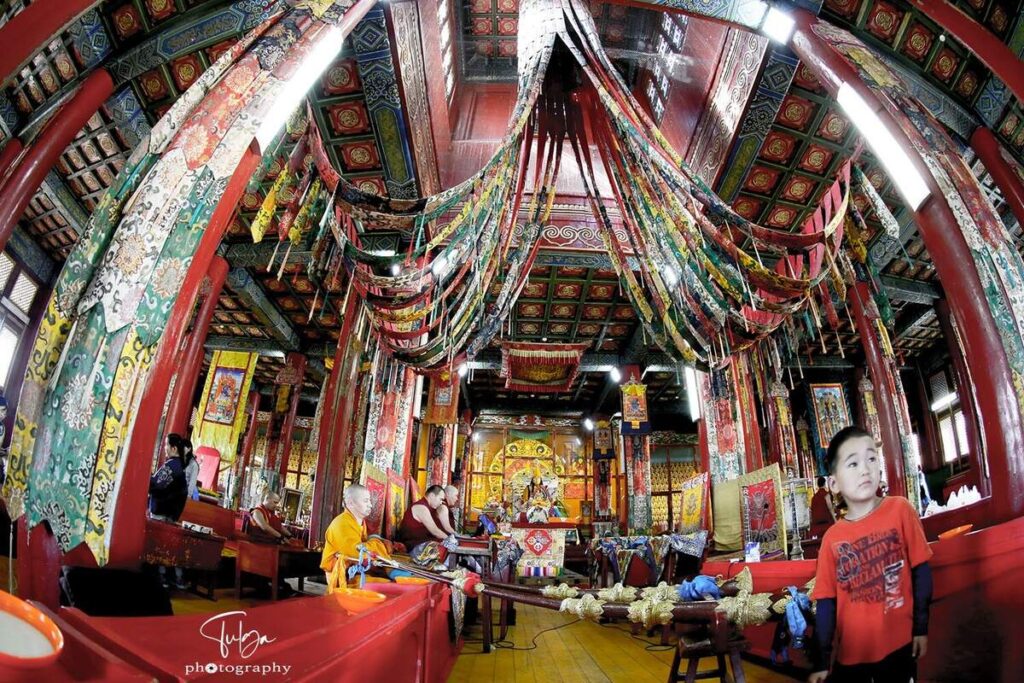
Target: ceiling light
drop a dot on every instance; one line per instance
(476, 436)
(395, 269)
(671, 276)
(778, 25)
(588, 424)
(463, 370)
(287, 100)
(615, 375)
(890, 153)
(944, 402)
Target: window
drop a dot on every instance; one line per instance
(18, 291)
(953, 431)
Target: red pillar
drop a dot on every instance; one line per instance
(44, 152)
(987, 148)
(191, 357)
(994, 392)
(860, 296)
(341, 390)
(34, 27)
(965, 392)
(8, 157)
(298, 361)
(130, 516)
(253, 406)
(993, 53)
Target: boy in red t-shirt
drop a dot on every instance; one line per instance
(873, 583)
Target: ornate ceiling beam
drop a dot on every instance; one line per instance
(914, 322)
(590, 362)
(264, 347)
(253, 298)
(384, 103)
(406, 21)
(192, 31)
(913, 291)
(38, 261)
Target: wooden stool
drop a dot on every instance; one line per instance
(696, 647)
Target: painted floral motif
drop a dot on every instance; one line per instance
(77, 406)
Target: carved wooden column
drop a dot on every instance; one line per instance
(295, 367)
(191, 357)
(892, 451)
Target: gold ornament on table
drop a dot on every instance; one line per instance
(587, 607)
(651, 612)
(618, 594)
(562, 591)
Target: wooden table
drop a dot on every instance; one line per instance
(481, 549)
(170, 545)
(275, 562)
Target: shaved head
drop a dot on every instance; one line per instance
(357, 501)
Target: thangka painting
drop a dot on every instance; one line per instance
(830, 412)
(634, 408)
(396, 503)
(543, 551)
(442, 400)
(693, 501)
(222, 401)
(376, 482)
(761, 512)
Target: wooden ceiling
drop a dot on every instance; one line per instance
(155, 49)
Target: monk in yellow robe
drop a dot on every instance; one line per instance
(346, 533)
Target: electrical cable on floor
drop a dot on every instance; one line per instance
(501, 644)
(651, 647)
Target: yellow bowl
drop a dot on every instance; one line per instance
(34, 618)
(358, 599)
(953, 533)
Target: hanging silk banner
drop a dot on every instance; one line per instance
(222, 410)
(603, 446)
(635, 419)
(548, 368)
(443, 399)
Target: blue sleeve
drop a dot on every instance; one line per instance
(921, 578)
(824, 632)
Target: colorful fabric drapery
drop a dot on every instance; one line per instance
(543, 551)
(439, 451)
(443, 399)
(221, 413)
(764, 520)
(638, 480)
(376, 482)
(603, 446)
(113, 298)
(540, 368)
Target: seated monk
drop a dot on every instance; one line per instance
(421, 523)
(267, 525)
(345, 535)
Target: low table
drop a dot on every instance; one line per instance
(275, 562)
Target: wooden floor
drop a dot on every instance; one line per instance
(581, 651)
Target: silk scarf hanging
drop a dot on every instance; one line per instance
(221, 413)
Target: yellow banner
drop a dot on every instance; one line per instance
(222, 407)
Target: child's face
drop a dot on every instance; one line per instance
(857, 470)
